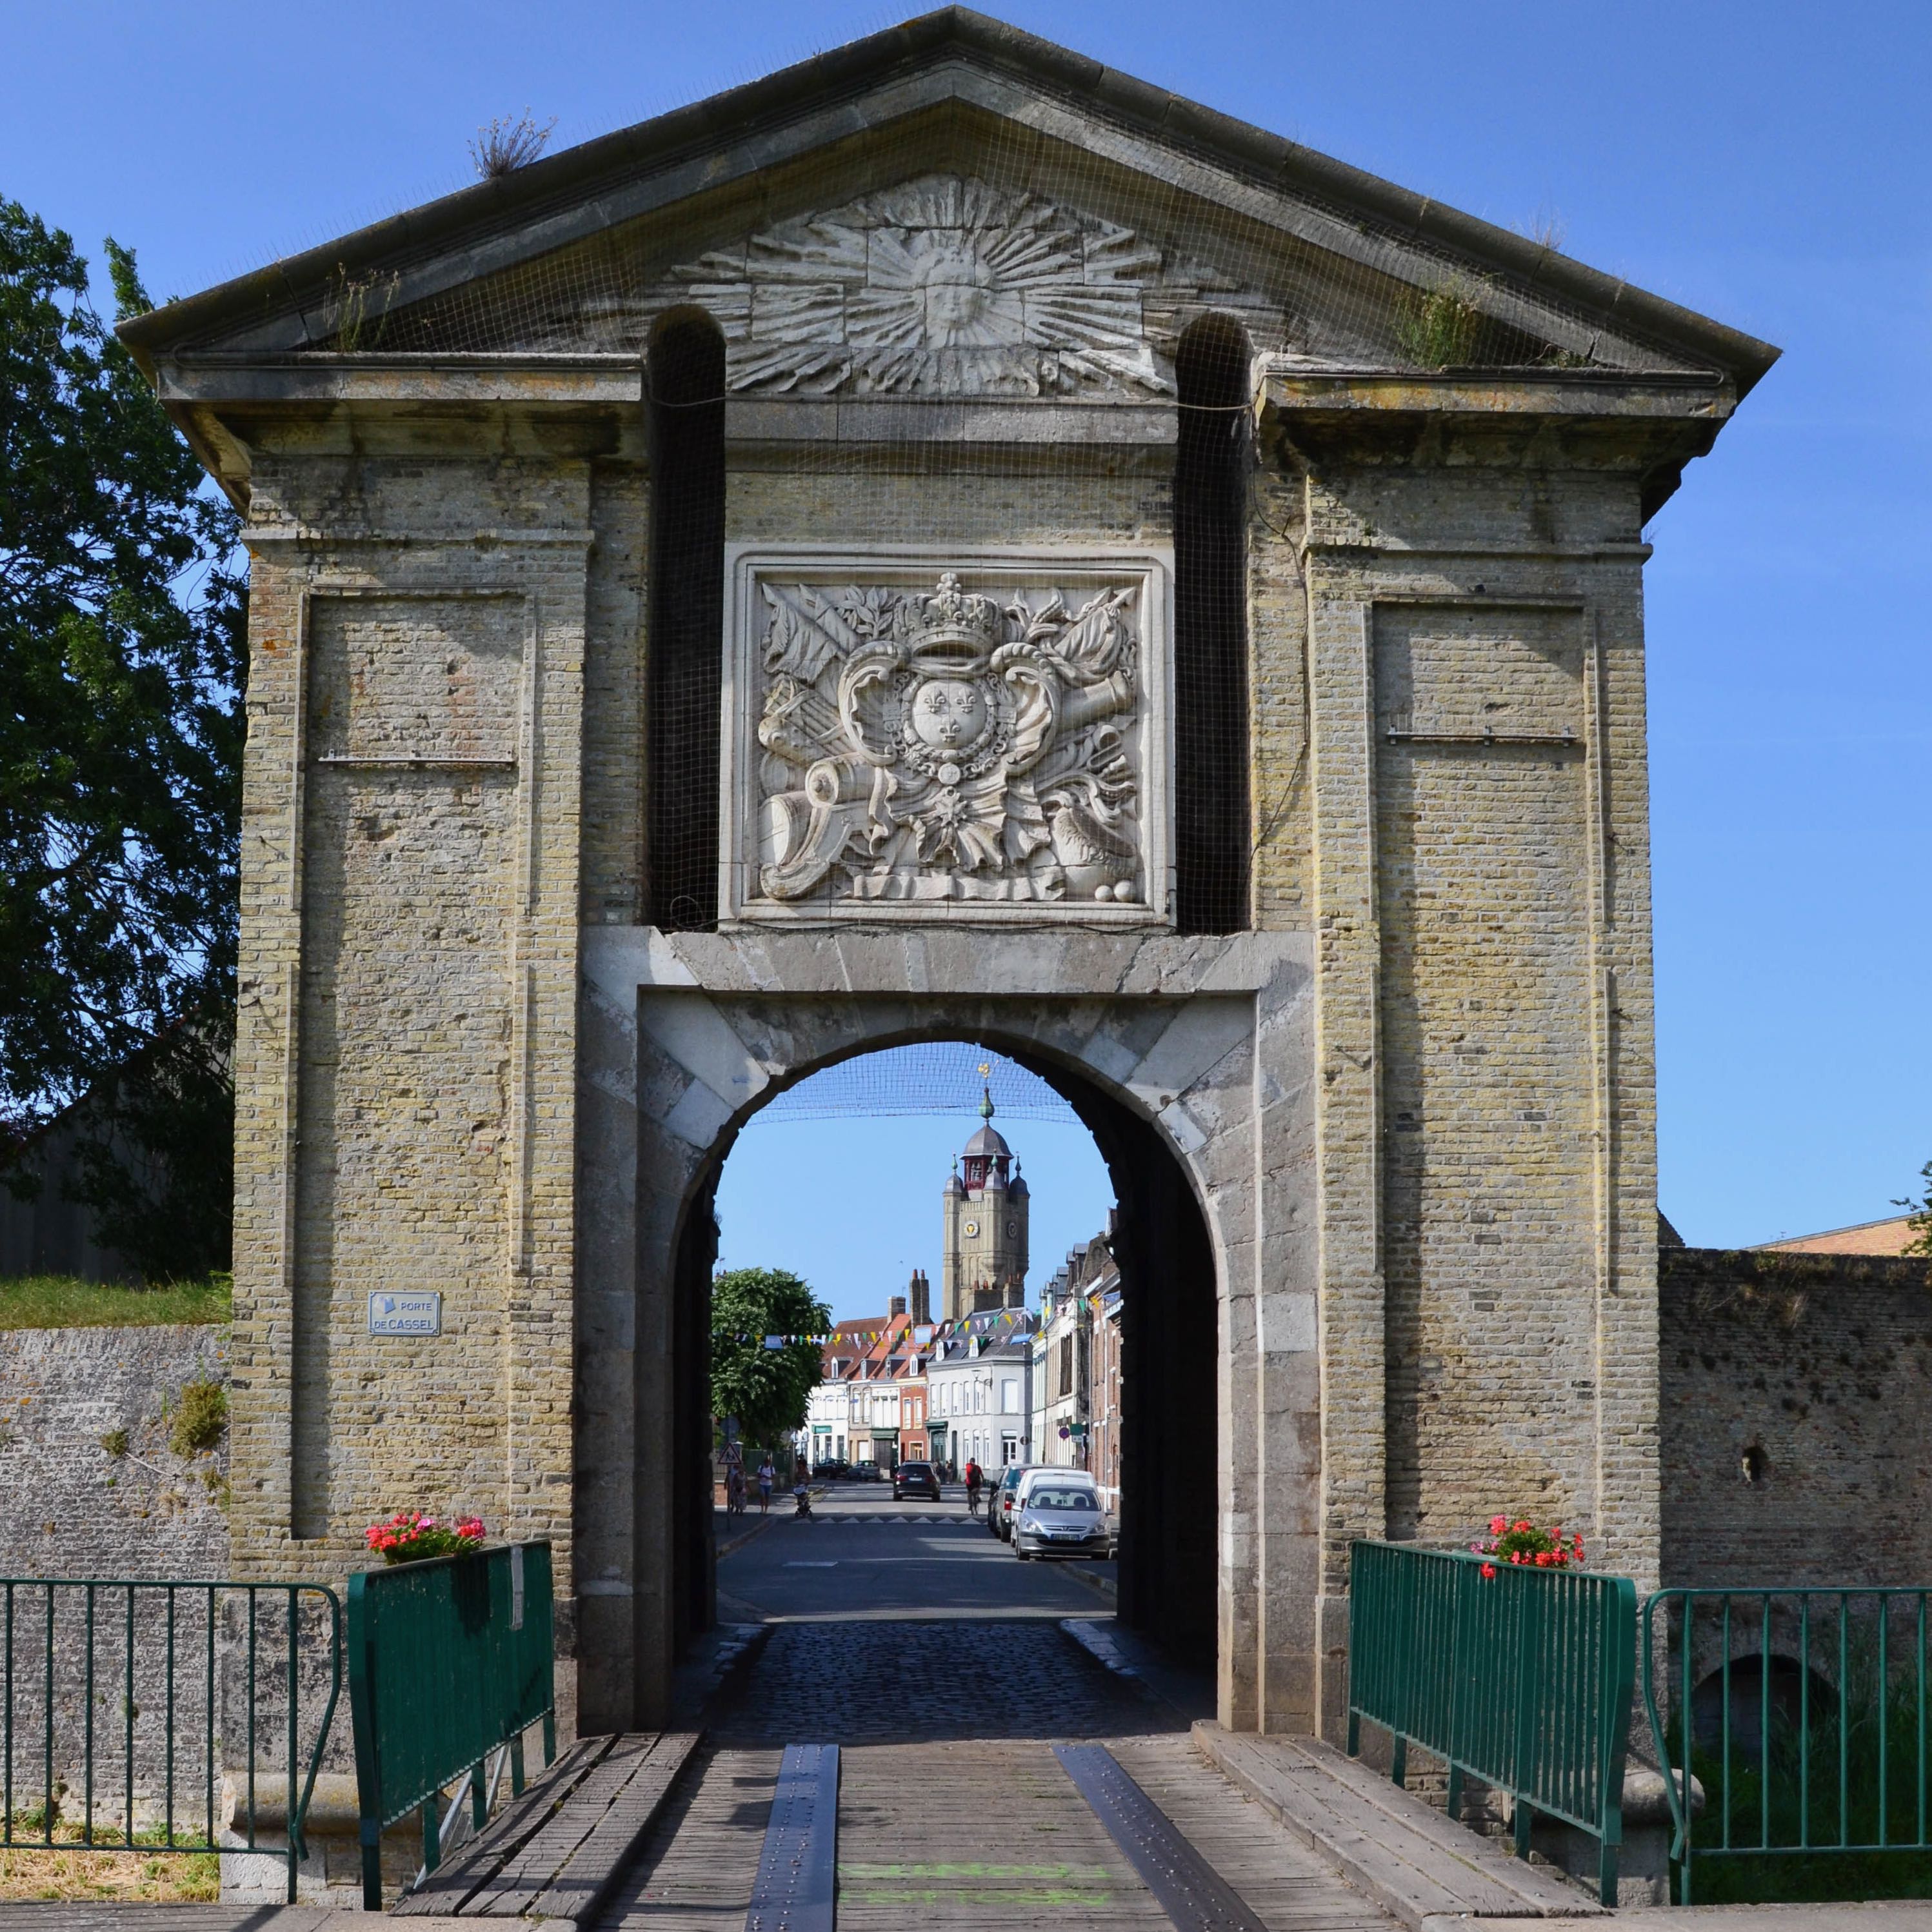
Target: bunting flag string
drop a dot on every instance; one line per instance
(920, 1334)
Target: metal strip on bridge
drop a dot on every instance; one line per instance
(1190, 1891)
(797, 1869)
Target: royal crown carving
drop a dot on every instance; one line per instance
(983, 738)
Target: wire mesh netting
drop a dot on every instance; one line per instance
(947, 1076)
(955, 378)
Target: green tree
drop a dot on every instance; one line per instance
(122, 660)
(1920, 1220)
(766, 1389)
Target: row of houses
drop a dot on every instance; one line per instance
(1000, 1386)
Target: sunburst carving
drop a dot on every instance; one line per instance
(943, 286)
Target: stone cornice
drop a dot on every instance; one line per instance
(316, 377)
(952, 59)
(1306, 394)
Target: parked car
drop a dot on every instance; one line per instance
(833, 1466)
(1044, 1472)
(1000, 1505)
(1056, 1516)
(915, 1479)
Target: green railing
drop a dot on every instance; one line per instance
(1521, 1678)
(450, 1662)
(1802, 1712)
(121, 1702)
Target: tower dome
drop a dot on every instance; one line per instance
(987, 1154)
(985, 1210)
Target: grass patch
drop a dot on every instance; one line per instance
(135, 1876)
(1439, 329)
(62, 1301)
(200, 1417)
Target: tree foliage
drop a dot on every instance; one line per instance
(766, 1389)
(1920, 1220)
(122, 660)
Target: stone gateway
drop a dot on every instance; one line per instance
(949, 541)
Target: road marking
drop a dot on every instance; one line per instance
(830, 1563)
(797, 1870)
(1193, 1894)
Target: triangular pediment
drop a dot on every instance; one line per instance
(950, 208)
(945, 282)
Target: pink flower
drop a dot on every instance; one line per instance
(1497, 1524)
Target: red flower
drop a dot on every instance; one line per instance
(1488, 1571)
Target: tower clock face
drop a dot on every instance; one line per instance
(1012, 1231)
(972, 1227)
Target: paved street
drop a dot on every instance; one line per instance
(858, 1682)
(863, 1556)
(915, 1641)
(954, 1813)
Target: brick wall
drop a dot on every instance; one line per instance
(410, 908)
(68, 1506)
(1815, 1371)
(74, 1505)
(1473, 816)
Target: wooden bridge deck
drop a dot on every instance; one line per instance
(974, 1836)
(560, 1851)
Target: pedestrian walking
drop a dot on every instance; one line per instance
(766, 1475)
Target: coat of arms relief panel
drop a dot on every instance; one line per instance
(914, 734)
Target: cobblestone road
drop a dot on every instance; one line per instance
(955, 1814)
(871, 1682)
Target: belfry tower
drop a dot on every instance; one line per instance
(985, 1212)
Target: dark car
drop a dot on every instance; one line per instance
(915, 1479)
(832, 1466)
(1000, 1505)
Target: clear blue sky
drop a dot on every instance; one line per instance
(1767, 162)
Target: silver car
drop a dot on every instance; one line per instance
(1061, 1519)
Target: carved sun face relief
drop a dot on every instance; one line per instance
(946, 734)
(943, 285)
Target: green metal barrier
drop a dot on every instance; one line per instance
(1521, 1679)
(450, 1661)
(120, 1699)
(1803, 1714)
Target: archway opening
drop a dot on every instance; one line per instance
(1159, 1394)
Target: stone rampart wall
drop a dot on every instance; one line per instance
(1797, 1439)
(90, 1488)
(69, 1507)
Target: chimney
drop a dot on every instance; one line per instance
(922, 1297)
(898, 1306)
(1016, 1291)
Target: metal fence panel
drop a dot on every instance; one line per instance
(449, 1661)
(1803, 1714)
(1521, 1678)
(123, 1700)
